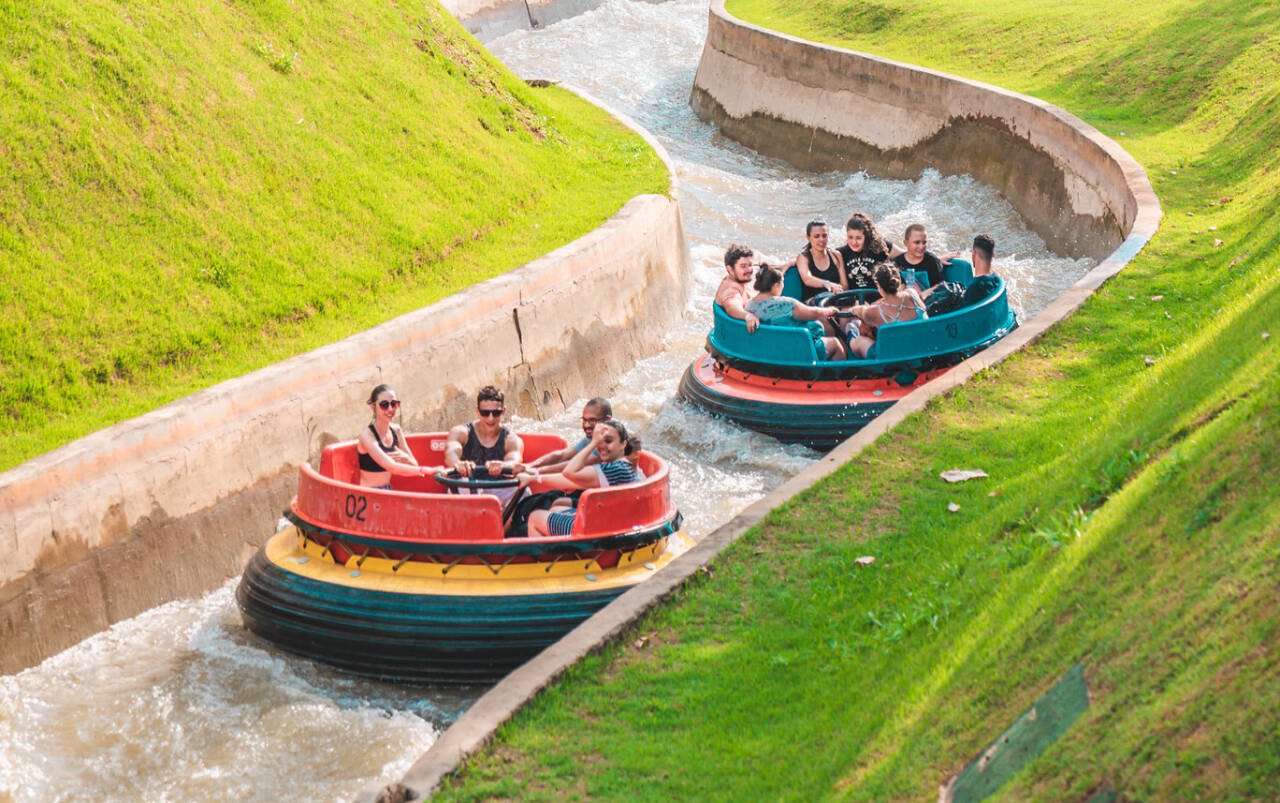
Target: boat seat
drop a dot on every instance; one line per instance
(777, 345)
(791, 284)
(959, 271)
(964, 328)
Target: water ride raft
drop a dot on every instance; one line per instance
(414, 584)
(778, 381)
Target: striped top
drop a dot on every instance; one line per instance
(616, 472)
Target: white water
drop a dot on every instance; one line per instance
(181, 703)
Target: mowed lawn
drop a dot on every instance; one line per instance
(190, 191)
(1131, 520)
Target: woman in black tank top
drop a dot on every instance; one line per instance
(381, 449)
(819, 266)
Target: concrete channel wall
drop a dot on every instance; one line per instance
(489, 19)
(170, 504)
(824, 108)
(813, 106)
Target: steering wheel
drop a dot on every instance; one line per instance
(480, 480)
(846, 298)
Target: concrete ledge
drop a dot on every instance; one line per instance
(1119, 189)
(489, 19)
(165, 506)
(825, 108)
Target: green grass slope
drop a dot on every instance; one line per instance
(192, 191)
(1131, 520)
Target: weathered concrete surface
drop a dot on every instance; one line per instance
(824, 108)
(163, 506)
(489, 19)
(1105, 187)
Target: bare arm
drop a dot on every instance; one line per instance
(453, 451)
(402, 453)
(737, 309)
(554, 461)
(511, 459)
(387, 461)
(579, 472)
(807, 277)
(838, 260)
(804, 312)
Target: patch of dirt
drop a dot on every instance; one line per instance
(437, 43)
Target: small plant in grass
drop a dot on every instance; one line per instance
(278, 60)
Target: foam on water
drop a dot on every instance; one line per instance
(182, 703)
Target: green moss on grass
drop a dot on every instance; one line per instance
(1130, 520)
(190, 192)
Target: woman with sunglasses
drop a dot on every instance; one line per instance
(381, 448)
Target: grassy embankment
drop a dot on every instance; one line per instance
(1131, 520)
(189, 193)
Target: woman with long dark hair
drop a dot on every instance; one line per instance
(819, 267)
(381, 448)
(863, 250)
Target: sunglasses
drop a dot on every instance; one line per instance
(492, 413)
(389, 404)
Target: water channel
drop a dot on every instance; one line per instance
(181, 703)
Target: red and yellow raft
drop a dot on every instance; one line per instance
(415, 584)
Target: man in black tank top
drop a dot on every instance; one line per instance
(485, 441)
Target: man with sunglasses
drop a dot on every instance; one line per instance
(593, 412)
(485, 441)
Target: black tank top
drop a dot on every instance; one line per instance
(477, 452)
(367, 463)
(830, 274)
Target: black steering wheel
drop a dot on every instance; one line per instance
(846, 298)
(480, 480)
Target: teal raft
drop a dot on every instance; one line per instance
(778, 381)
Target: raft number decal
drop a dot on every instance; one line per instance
(952, 329)
(355, 507)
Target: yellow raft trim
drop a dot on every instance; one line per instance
(292, 552)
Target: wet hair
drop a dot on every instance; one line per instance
(489, 393)
(632, 441)
(376, 392)
(888, 278)
(985, 245)
(602, 404)
(735, 253)
(913, 227)
(873, 244)
(767, 278)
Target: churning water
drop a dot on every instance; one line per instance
(181, 703)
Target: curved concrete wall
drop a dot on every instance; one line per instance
(824, 108)
(166, 505)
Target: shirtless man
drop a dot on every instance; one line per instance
(593, 412)
(984, 250)
(735, 288)
(485, 441)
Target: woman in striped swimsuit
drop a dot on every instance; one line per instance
(614, 446)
